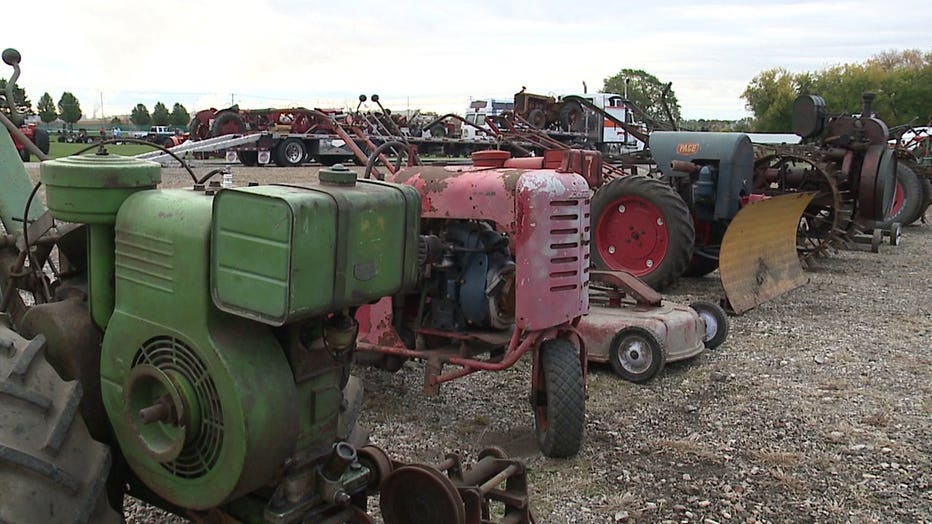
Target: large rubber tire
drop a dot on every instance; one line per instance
(909, 200)
(42, 140)
(642, 226)
(290, 152)
(716, 322)
(537, 118)
(572, 117)
(51, 471)
(248, 158)
(700, 266)
(636, 355)
(560, 408)
(226, 124)
(927, 192)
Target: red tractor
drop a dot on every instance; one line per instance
(507, 274)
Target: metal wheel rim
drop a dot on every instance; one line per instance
(635, 355)
(293, 153)
(711, 324)
(642, 246)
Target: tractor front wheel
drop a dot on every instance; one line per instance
(560, 399)
(908, 200)
(51, 470)
(642, 226)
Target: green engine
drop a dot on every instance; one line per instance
(228, 324)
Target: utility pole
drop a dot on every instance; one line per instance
(102, 105)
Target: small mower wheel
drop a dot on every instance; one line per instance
(642, 226)
(636, 355)
(51, 470)
(560, 402)
(908, 199)
(24, 155)
(716, 322)
(896, 233)
(876, 240)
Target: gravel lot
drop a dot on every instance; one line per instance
(818, 408)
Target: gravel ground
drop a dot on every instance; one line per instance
(818, 408)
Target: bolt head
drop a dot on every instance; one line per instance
(650, 263)
(611, 249)
(660, 221)
(621, 208)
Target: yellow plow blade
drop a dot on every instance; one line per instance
(758, 260)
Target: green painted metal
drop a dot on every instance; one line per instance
(16, 186)
(286, 253)
(238, 401)
(100, 280)
(89, 189)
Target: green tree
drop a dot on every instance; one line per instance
(47, 110)
(69, 109)
(644, 90)
(160, 115)
(770, 97)
(902, 81)
(23, 104)
(116, 121)
(140, 115)
(179, 116)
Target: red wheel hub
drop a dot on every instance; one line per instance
(899, 196)
(631, 235)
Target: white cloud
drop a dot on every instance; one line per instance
(435, 55)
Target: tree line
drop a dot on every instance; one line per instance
(902, 81)
(68, 109)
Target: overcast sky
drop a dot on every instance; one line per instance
(434, 55)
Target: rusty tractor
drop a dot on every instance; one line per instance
(508, 251)
(192, 347)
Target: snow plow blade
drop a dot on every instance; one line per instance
(758, 260)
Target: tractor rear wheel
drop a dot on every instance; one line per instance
(51, 470)
(560, 402)
(908, 200)
(642, 226)
(228, 123)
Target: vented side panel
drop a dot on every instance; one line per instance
(145, 260)
(552, 249)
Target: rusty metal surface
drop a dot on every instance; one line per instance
(758, 260)
(630, 285)
(453, 493)
(679, 329)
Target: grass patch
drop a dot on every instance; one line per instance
(63, 149)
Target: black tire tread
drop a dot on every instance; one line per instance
(658, 363)
(50, 467)
(566, 399)
(676, 214)
(723, 326)
(914, 202)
